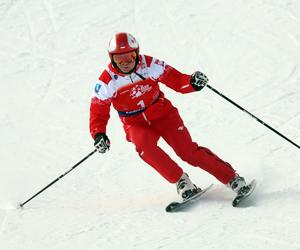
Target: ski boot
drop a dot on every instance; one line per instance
(185, 188)
(243, 190)
(237, 183)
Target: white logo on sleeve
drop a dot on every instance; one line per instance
(180, 128)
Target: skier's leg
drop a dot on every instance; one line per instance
(174, 132)
(145, 141)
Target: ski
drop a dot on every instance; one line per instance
(241, 197)
(177, 206)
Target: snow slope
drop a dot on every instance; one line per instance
(51, 53)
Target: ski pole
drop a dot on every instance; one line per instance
(58, 178)
(253, 116)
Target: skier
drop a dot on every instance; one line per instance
(131, 84)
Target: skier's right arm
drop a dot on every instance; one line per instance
(99, 116)
(99, 113)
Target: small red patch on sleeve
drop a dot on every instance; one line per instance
(105, 77)
(148, 60)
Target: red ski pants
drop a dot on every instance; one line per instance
(145, 134)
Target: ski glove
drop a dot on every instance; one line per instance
(198, 80)
(101, 143)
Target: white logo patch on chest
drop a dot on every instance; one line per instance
(139, 90)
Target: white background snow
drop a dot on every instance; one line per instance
(51, 54)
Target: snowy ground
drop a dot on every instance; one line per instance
(51, 53)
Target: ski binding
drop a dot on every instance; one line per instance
(247, 192)
(177, 206)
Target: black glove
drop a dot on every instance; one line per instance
(198, 80)
(101, 143)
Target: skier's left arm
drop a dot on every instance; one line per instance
(180, 82)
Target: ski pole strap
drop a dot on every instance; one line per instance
(253, 116)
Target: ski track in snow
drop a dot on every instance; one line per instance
(30, 27)
(52, 52)
(3, 221)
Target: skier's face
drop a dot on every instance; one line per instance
(125, 62)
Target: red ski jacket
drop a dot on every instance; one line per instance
(137, 95)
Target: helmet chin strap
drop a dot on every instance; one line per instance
(129, 72)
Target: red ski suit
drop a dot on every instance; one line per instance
(147, 115)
